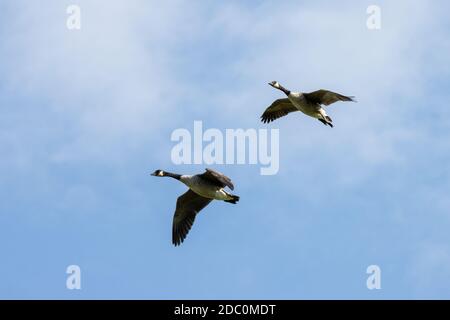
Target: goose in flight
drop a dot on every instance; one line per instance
(203, 188)
(308, 103)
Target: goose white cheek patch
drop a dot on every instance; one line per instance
(236, 146)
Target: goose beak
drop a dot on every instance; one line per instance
(153, 174)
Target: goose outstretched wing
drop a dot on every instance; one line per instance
(279, 108)
(188, 205)
(326, 97)
(217, 178)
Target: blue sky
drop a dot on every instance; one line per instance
(87, 115)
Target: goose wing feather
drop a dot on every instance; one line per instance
(217, 178)
(326, 97)
(188, 205)
(279, 108)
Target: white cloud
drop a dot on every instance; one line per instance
(111, 80)
(307, 47)
(117, 81)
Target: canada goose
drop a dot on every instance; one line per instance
(203, 188)
(308, 103)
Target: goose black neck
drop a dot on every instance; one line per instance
(172, 175)
(286, 91)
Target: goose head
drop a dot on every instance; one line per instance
(161, 173)
(275, 84)
(278, 86)
(158, 173)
